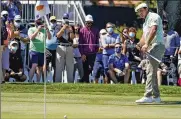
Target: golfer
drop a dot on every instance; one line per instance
(152, 43)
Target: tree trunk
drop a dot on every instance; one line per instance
(172, 9)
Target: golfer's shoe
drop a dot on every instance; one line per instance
(157, 100)
(145, 100)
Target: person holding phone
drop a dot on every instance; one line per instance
(37, 36)
(65, 57)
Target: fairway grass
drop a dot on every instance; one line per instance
(28, 103)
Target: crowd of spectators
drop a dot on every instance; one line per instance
(86, 50)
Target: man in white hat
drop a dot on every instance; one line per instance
(151, 42)
(89, 37)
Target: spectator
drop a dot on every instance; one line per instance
(118, 63)
(37, 38)
(98, 68)
(13, 7)
(179, 65)
(16, 67)
(89, 38)
(172, 43)
(21, 36)
(78, 65)
(9, 26)
(4, 35)
(124, 37)
(133, 54)
(108, 44)
(65, 51)
(51, 45)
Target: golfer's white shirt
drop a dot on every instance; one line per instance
(151, 20)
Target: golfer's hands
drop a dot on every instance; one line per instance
(83, 58)
(144, 48)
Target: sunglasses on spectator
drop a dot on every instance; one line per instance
(109, 27)
(18, 21)
(53, 21)
(89, 23)
(103, 33)
(118, 47)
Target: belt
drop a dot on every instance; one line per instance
(77, 57)
(66, 45)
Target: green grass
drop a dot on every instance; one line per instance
(116, 89)
(86, 101)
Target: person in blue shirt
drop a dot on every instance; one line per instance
(14, 7)
(172, 44)
(118, 64)
(108, 45)
(51, 45)
(98, 68)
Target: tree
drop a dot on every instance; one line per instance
(170, 10)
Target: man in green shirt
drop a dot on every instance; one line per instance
(152, 42)
(37, 35)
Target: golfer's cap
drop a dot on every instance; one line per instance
(65, 16)
(17, 17)
(4, 13)
(13, 42)
(89, 18)
(53, 18)
(102, 31)
(142, 5)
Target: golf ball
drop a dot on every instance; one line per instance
(65, 117)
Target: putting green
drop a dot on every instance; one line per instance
(85, 106)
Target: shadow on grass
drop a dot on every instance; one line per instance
(163, 103)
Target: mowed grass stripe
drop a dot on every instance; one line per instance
(96, 89)
(85, 106)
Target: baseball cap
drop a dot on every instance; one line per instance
(4, 13)
(13, 43)
(142, 5)
(53, 18)
(65, 16)
(102, 31)
(89, 18)
(17, 17)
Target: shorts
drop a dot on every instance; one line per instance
(36, 58)
(98, 69)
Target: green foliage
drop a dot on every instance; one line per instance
(138, 34)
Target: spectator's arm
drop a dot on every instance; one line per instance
(179, 52)
(48, 34)
(32, 34)
(124, 47)
(81, 41)
(97, 41)
(61, 32)
(177, 43)
(72, 35)
(126, 62)
(103, 42)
